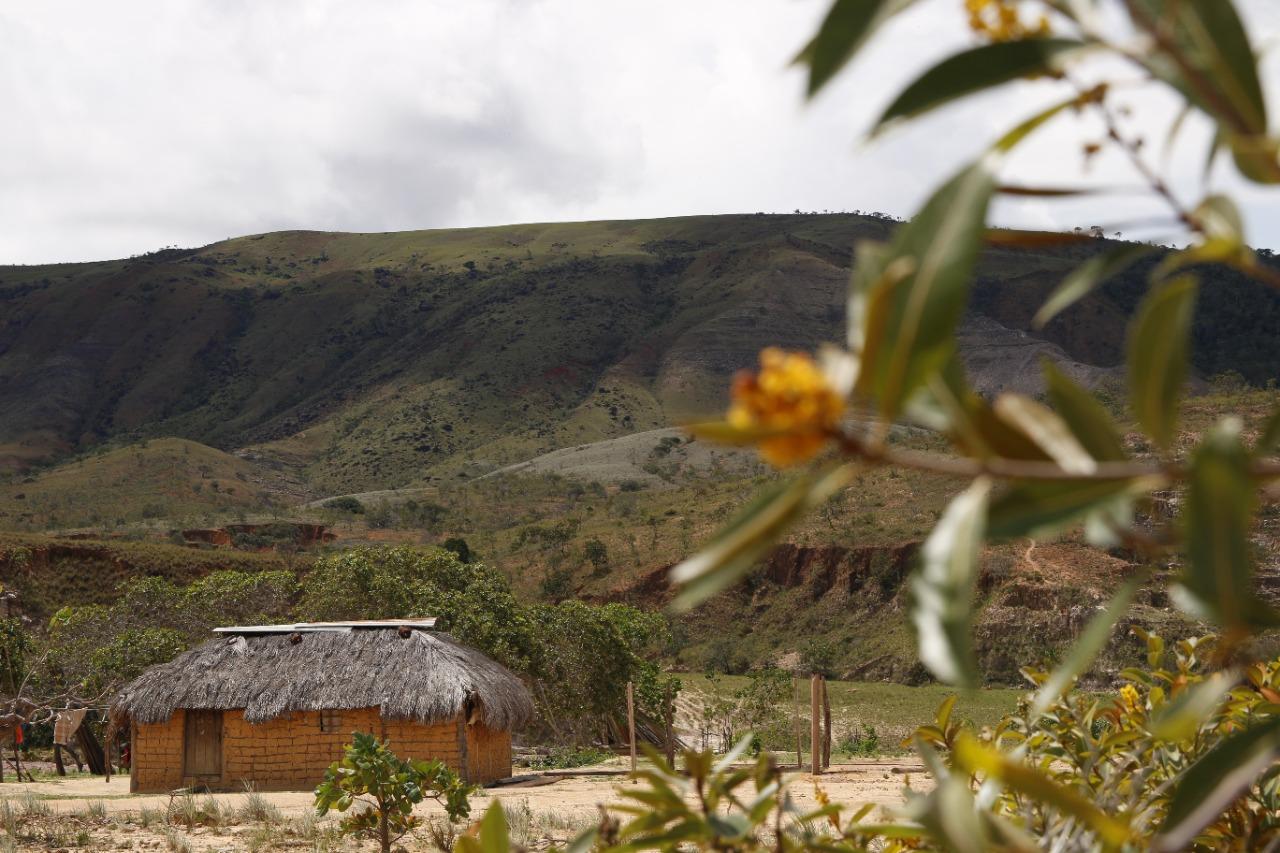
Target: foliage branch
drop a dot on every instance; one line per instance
(1033, 468)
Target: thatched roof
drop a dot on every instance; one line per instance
(409, 674)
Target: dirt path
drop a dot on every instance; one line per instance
(106, 816)
(577, 796)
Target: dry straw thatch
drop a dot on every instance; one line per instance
(426, 676)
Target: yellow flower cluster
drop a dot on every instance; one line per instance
(790, 396)
(1130, 698)
(999, 20)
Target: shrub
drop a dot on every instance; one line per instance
(346, 504)
(388, 787)
(459, 548)
(1179, 760)
(860, 740)
(818, 656)
(597, 554)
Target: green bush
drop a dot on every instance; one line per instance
(385, 788)
(563, 759)
(346, 504)
(1070, 771)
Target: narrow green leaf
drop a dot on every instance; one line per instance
(847, 26)
(1210, 39)
(1009, 238)
(494, 837)
(1046, 507)
(1217, 580)
(953, 818)
(1159, 340)
(1219, 32)
(908, 320)
(1043, 192)
(1087, 418)
(1224, 250)
(977, 758)
(739, 749)
(1012, 138)
(1155, 646)
(1091, 642)
(948, 404)
(1257, 157)
(737, 547)
(1171, 135)
(977, 69)
(1215, 781)
(584, 841)
(1084, 278)
(944, 712)
(1181, 717)
(942, 590)
(723, 432)
(1046, 430)
(1220, 217)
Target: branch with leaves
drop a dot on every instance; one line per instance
(1035, 468)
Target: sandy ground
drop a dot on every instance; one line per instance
(578, 796)
(550, 812)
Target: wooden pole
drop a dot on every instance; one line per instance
(815, 733)
(671, 727)
(631, 722)
(795, 697)
(826, 725)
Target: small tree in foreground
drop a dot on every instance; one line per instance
(388, 787)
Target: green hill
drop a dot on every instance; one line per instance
(167, 478)
(368, 361)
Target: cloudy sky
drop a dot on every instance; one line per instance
(134, 125)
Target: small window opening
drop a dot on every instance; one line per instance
(330, 721)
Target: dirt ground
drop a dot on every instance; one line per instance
(85, 812)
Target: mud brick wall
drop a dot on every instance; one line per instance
(439, 742)
(156, 755)
(291, 753)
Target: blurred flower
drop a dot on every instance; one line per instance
(792, 396)
(999, 20)
(1130, 698)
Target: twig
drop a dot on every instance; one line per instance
(1132, 149)
(1023, 469)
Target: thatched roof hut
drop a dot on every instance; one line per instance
(371, 671)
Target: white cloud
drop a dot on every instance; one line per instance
(131, 125)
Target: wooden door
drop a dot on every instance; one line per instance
(202, 746)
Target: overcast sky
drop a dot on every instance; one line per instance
(134, 125)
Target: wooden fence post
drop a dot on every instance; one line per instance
(671, 727)
(631, 722)
(826, 725)
(815, 734)
(795, 699)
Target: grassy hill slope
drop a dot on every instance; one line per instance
(166, 478)
(368, 361)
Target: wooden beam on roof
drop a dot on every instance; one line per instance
(424, 624)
